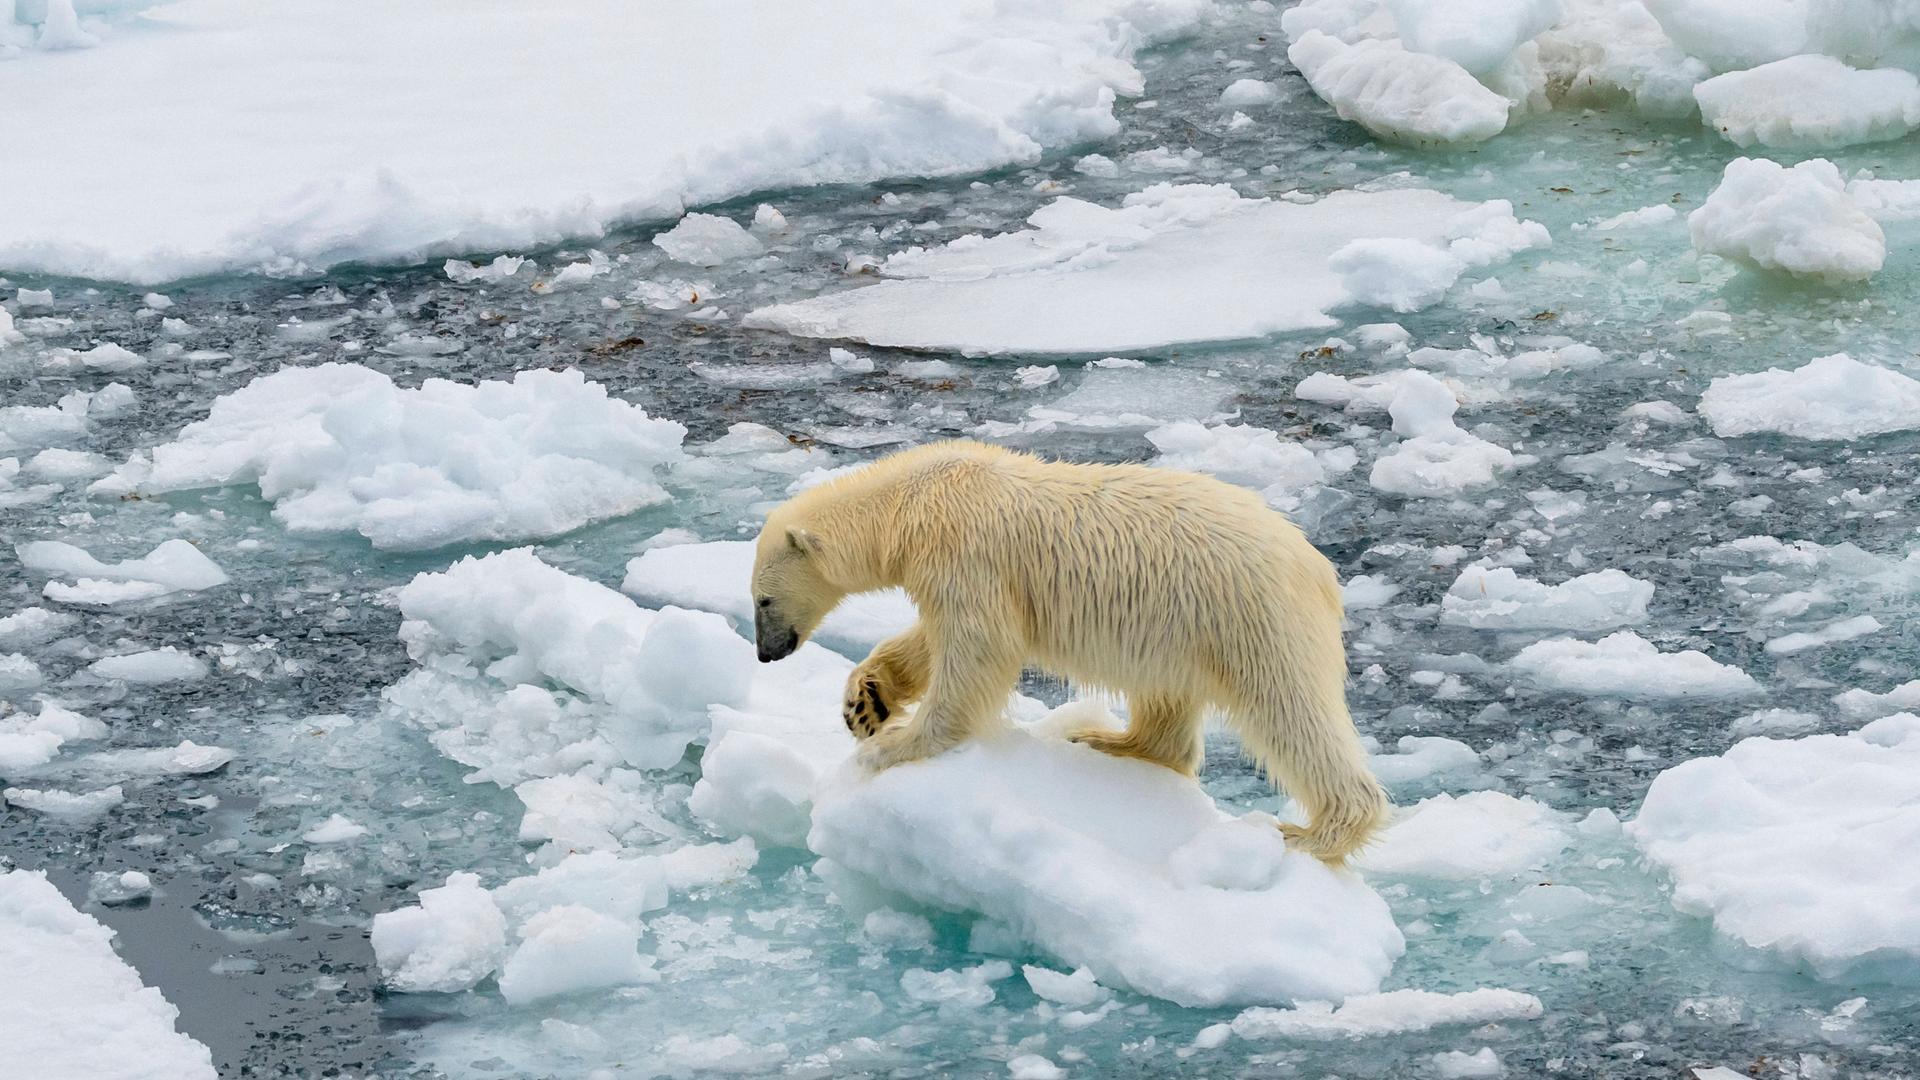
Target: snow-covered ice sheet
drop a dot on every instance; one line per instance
(425, 149)
(340, 448)
(1173, 264)
(70, 1007)
(1628, 665)
(1788, 845)
(1810, 103)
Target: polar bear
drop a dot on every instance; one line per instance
(1176, 590)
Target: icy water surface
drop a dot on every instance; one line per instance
(259, 938)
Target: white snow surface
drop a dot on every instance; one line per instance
(1784, 844)
(1172, 264)
(1399, 95)
(70, 1006)
(1497, 598)
(1798, 221)
(426, 150)
(1810, 103)
(1477, 835)
(340, 448)
(1833, 397)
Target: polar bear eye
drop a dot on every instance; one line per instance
(765, 601)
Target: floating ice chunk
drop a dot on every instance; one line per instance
(1395, 1012)
(173, 567)
(1460, 1065)
(59, 464)
(33, 626)
(1822, 813)
(1627, 665)
(1479, 35)
(27, 427)
(123, 887)
(966, 830)
(1091, 279)
(68, 805)
(1645, 217)
(340, 448)
(1240, 454)
(454, 938)
(708, 240)
(717, 577)
(1245, 92)
(1734, 34)
(1367, 591)
(1075, 990)
(162, 665)
(110, 357)
(462, 272)
(1867, 705)
(27, 742)
(1797, 221)
(18, 673)
(70, 1006)
(337, 829)
(8, 335)
(1397, 95)
(1435, 458)
(1832, 633)
(1497, 598)
(1033, 1067)
(966, 988)
(1810, 103)
(1775, 722)
(1423, 757)
(722, 1054)
(571, 948)
(1833, 397)
(1886, 201)
(1477, 835)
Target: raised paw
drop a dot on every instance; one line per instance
(865, 709)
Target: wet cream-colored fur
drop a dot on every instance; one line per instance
(1176, 590)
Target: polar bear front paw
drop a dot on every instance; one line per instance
(864, 710)
(896, 745)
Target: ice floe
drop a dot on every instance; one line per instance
(70, 1006)
(1170, 265)
(340, 448)
(1628, 665)
(1810, 103)
(1477, 835)
(1497, 598)
(1785, 844)
(835, 94)
(1392, 1013)
(175, 566)
(1832, 397)
(1798, 221)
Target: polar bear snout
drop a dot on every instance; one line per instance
(775, 638)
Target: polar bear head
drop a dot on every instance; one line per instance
(792, 589)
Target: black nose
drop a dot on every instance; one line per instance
(779, 650)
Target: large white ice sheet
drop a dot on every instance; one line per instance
(70, 1007)
(224, 134)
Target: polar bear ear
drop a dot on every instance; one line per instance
(803, 541)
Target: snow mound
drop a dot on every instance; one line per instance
(1123, 868)
(1395, 1012)
(1479, 35)
(1628, 665)
(340, 448)
(835, 93)
(1400, 96)
(717, 577)
(71, 1006)
(1496, 598)
(1734, 34)
(1478, 835)
(1797, 221)
(1172, 264)
(1832, 397)
(175, 566)
(1784, 844)
(1810, 103)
